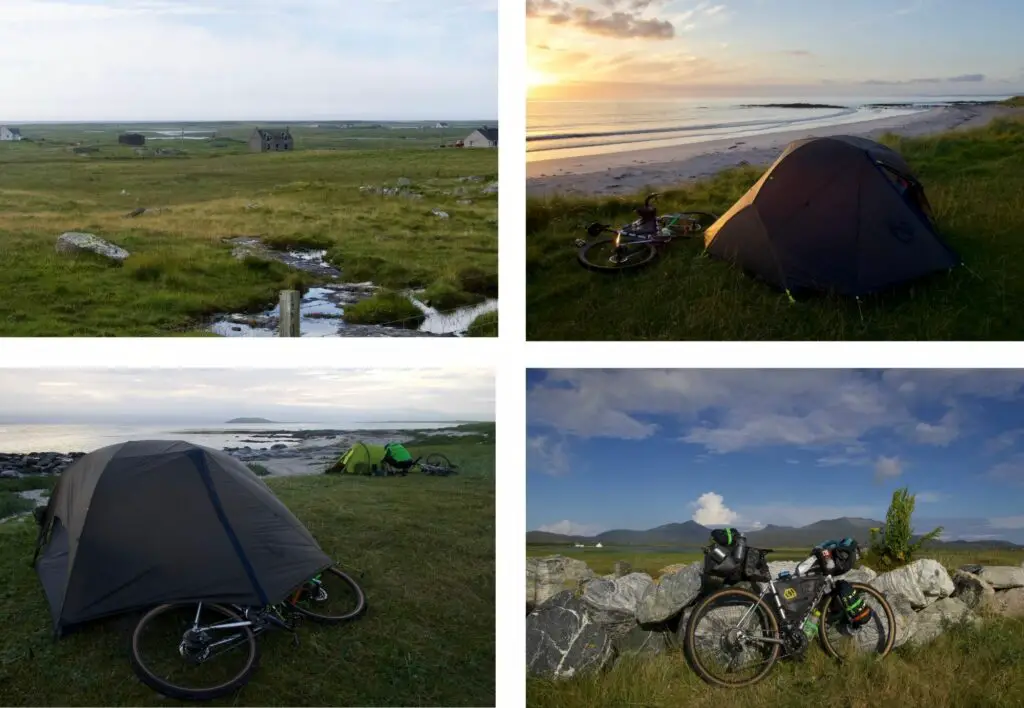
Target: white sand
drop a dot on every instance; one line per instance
(628, 172)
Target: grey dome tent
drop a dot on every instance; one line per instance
(142, 523)
(841, 214)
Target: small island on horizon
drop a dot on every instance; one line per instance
(250, 420)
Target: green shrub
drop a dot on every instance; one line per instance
(444, 296)
(386, 307)
(260, 470)
(892, 547)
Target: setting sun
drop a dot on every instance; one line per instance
(536, 78)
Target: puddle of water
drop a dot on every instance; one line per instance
(456, 321)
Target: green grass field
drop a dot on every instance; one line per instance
(964, 667)
(421, 547)
(180, 272)
(974, 179)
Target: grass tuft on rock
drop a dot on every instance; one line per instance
(386, 308)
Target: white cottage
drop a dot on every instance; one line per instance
(598, 545)
(482, 138)
(9, 134)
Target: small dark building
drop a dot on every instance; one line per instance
(264, 140)
(131, 139)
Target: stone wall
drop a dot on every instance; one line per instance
(577, 621)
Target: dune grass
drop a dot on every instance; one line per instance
(180, 271)
(964, 667)
(974, 179)
(422, 548)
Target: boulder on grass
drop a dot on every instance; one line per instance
(563, 641)
(546, 577)
(672, 592)
(906, 617)
(1009, 603)
(74, 242)
(922, 582)
(1002, 577)
(613, 603)
(970, 589)
(932, 620)
(644, 639)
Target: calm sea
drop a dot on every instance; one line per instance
(557, 129)
(85, 438)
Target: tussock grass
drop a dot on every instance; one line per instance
(974, 179)
(386, 308)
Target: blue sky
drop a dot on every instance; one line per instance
(639, 448)
(248, 59)
(786, 47)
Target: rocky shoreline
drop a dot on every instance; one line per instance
(578, 622)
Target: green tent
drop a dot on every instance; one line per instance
(376, 460)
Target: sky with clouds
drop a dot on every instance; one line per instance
(330, 396)
(638, 448)
(634, 49)
(93, 60)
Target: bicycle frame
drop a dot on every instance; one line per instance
(769, 588)
(257, 627)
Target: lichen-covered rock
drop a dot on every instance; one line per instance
(970, 589)
(562, 640)
(546, 577)
(932, 620)
(1009, 603)
(1002, 577)
(670, 594)
(74, 242)
(613, 603)
(860, 575)
(650, 639)
(922, 582)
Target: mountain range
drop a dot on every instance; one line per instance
(690, 534)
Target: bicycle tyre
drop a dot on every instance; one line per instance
(700, 610)
(436, 459)
(361, 603)
(890, 617)
(589, 260)
(190, 694)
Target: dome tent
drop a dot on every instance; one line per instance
(842, 214)
(142, 523)
(376, 460)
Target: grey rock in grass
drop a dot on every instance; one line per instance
(74, 242)
(1009, 603)
(970, 589)
(492, 188)
(440, 214)
(563, 641)
(403, 182)
(548, 576)
(613, 603)
(650, 639)
(932, 620)
(906, 617)
(673, 591)
(1002, 577)
(922, 582)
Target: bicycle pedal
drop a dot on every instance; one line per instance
(579, 243)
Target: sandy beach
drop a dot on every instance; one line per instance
(628, 172)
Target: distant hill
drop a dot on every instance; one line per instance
(250, 420)
(690, 534)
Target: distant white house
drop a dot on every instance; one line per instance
(598, 545)
(439, 124)
(578, 545)
(482, 138)
(9, 134)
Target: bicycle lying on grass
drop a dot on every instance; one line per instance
(201, 639)
(636, 244)
(750, 632)
(439, 465)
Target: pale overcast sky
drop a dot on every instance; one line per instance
(97, 396)
(91, 60)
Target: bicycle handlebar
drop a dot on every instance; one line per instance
(651, 197)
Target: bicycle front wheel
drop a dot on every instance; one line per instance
(725, 639)
(605, 257)
(172, 657)
(843, 641)
(331, 597)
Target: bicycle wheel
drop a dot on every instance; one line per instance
(843, 641)
(330, 597)
(723, 638)
(602, 256)
(170, 657)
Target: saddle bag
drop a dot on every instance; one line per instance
(855, 610)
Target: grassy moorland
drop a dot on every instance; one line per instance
(974, 179)
(964, 667)
(181, 273)
(422, 548)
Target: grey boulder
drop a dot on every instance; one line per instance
(562, 640)
(922, 582)
(1002, 577)
(673, 591)
(73, 242)
(970, 589)
(546, 577)
(932, 620)
(1009, 603)
(613, 603)
(644, 640)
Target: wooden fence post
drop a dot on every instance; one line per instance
(289, 326)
